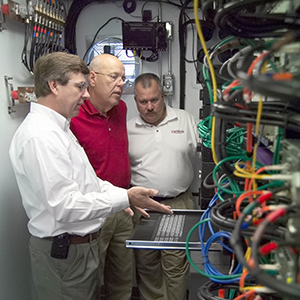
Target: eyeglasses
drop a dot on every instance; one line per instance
(113, 77)
(80, 85)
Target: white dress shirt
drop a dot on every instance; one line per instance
(161, 156)
(59, 188)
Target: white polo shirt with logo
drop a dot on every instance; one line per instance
(161, 156)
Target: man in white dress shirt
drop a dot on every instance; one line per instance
(162, 144)
(65, 201)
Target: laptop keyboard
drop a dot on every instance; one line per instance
(170, 228)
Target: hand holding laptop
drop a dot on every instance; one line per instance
(140, 198)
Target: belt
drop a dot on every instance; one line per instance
(77, 239)
(165, 198)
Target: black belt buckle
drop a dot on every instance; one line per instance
(60, 246)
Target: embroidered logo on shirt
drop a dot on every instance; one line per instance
(177, 131)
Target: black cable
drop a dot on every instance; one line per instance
(221, 217)
(96, 34)
(290, 290)
(32, 50)
(286, 119)
(252, 19)
(27, 38)
(151, 58)
(208, 290)
(70, 25)
(182, 50)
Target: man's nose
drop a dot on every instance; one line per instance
(149, 105)
(86, 94)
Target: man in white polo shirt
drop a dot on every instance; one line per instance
(162, 144)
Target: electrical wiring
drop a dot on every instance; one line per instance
(208, 290)
(289, 289)
(151, 58)
(43, 31)
(236, 189)
(70, 26)
(212, 74)
(27, 39)
(209, 268)
(280, 177)
(261, 90)
(234, 137)
(282, 85)
(96, 34)
(252, 19)
(221, 216)
(249, 195)
(235, 240)
(267, 169)
(221, 277)
(210, 27)
(228, 44)
(286, 119)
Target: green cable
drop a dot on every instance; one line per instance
(276, 155)
(214, 175)
(234, 140)
(231, 294)
(193, 264)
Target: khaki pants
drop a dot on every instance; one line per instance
(162, 274)
(64, 279)
(115, 258)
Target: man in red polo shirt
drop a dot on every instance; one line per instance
(100, 128)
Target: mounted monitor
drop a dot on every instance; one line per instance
(146, 36)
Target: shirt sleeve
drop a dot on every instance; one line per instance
(63, 182)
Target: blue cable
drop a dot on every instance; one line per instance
(208, 267)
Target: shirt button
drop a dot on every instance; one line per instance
(109, 129)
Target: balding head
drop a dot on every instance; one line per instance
(106, 81)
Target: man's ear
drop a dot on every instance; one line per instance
(91, 78)
(53, 86)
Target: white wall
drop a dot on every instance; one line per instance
(14, 258)
(93, 16)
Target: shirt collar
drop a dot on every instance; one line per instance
(91, 110)
(61, 121)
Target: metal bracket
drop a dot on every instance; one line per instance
(10, 87)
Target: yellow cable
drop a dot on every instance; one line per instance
(241, 170)
(258, 118)
(213, 78)
(137, 58)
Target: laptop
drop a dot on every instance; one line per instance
(164, 231)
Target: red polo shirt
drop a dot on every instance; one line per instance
(105, 141)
